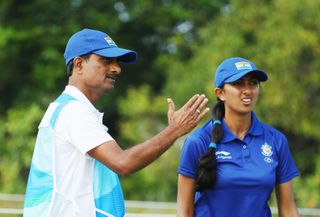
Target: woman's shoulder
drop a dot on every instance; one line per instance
(273, 135)
(271, 130)
(265, 128)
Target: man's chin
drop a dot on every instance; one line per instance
(109, 88)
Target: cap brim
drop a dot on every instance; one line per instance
(261, 75)
(124, 55)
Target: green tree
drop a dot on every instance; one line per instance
(17, 130)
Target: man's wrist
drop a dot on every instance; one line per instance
(174, 131)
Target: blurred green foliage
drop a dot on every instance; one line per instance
(180, 43)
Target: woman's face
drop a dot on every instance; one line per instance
(240, 96)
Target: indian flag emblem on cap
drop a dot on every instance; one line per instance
(243, 65)
(110, 41)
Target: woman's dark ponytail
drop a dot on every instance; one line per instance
(207, 162)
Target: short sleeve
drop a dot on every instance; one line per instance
(286, 169)
(192, 149)
(83, 127)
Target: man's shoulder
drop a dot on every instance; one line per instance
(76, 108)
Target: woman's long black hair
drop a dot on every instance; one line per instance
(207, 162)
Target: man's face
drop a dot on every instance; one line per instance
(100, 73)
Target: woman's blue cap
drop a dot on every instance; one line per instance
(232, 69)
(89, 41)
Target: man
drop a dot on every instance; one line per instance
(75, 162)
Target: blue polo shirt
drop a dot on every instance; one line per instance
(247, 170)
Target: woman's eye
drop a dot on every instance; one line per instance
(254, 82)
(236, 83)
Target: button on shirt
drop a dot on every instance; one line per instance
(247, 170)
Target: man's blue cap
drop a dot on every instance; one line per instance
(89, 41)
(232, 69)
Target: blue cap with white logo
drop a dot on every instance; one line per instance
(232, 69)
(89, 41)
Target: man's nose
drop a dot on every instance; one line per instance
(115, 68)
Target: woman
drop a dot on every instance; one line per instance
(230, 166)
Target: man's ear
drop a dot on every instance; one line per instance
(219, 93)
(78, 64)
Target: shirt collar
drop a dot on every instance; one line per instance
(76, 93)
(254, 130)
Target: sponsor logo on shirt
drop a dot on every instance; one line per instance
(266, 150)
(223, 155)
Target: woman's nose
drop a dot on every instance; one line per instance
(246, 87)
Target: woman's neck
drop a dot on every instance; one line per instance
(238, 124)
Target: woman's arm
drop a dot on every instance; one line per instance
(185, 200)
(286, 204)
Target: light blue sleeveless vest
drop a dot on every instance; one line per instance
(108, 196)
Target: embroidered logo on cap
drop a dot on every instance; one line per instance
(243, 65)
(110, 41)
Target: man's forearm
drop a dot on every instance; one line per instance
(143, 154)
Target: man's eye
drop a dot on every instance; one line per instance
(111, 60)
(107, 61)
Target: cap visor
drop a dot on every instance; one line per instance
(262, 76)
(124, 55)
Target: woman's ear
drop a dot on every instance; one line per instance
(219, 93)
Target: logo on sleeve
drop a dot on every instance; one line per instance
(266, 151)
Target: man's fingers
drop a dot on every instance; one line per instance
(191, 101)
(199, 103)
(203, 113)
(202, 104)
(171, 106)
(187, 117)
